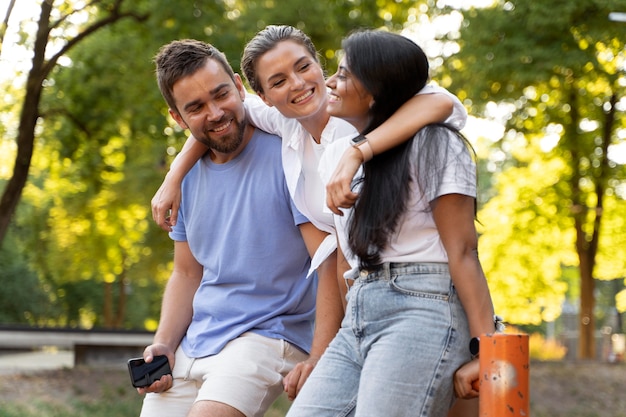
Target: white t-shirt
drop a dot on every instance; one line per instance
(417, 239)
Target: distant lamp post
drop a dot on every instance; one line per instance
(617, 17)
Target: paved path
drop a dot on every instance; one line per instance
(13, 363)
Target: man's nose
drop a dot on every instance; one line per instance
(214, 112)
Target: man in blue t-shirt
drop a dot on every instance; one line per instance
(238, 309)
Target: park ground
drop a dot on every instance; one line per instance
(557, 389)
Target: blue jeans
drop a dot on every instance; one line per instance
(404, 335)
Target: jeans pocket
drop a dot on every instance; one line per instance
(423, 285)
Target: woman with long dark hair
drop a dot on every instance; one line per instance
(419, 293)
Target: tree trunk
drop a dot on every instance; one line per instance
(107, 307)
(121, 301)
(30, 108)
(28, 121)
(586, 325)
(587, 243)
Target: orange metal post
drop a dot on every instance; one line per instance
(504, 374)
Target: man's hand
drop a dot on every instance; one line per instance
(338, 190)
(466, 379)
(166, 381)
(165, 204)
(297, 377)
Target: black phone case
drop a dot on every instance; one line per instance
(143, 374)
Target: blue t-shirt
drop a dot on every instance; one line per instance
(241, 226)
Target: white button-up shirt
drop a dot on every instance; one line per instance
(293, 157)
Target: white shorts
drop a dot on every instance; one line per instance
(247, 375)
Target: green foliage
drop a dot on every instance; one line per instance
(22, 299)
(565, 34)
(105, 140)
(558, 197)
(523, 244)
(612, 256)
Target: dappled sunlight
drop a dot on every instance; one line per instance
(617, 153)
(7, 158)
(537, 92)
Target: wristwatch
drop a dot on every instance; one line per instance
(474, 346)
(360, 142)
(357, 140)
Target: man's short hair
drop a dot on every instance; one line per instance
(182, 58)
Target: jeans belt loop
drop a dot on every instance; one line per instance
(387, 271)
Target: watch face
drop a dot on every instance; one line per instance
(358, 139)
(474, 345)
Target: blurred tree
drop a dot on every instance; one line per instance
(560, 68)
(51, 28)
(104, 141)
(22, 299)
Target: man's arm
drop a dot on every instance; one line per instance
(328, 311)
(176, 311)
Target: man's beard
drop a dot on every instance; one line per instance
(225, 144)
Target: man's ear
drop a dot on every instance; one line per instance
(240, 88)
(176, 116)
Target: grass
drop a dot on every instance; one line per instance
(103, 407)
(73, 409)
(88, 394)
(109, 404)
(279, 408)
(558, 389)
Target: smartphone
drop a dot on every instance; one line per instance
(143, 374)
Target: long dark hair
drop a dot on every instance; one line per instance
(393, 69)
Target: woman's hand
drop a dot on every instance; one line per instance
(296, 378)
(466, 380)
(339, 192)
(165, 204)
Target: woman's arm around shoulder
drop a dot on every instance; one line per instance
(166, 200)
(417, 112)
